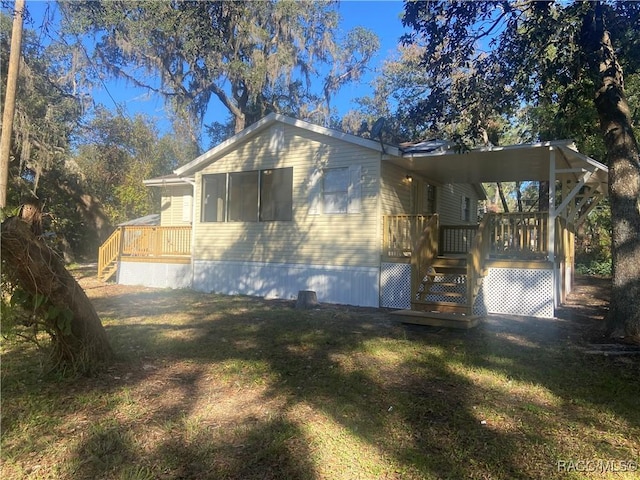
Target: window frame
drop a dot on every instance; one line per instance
(339, 190)
(204, 211)
(276, 198)
(239, 187)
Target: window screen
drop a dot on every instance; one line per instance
(276, 194)
(214, 194)
(336, 190)
(243, 197)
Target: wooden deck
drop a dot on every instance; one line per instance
(144, 244)
(449, 262)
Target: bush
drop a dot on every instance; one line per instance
(595, 267)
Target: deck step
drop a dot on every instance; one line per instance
(109, 272)
(437, 319)
(439, 307)
(444, 293)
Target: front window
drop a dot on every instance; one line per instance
(214, 195)
(466, 209)
(428, 199)
(243, 197)
(336, 190)
(264, 195)
(276, 194)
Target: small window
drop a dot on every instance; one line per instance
(336, 190)
(243, 197)
(466, 209)
(214, 194)
(428, 198)
(276, 194)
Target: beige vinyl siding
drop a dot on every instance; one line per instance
(395, 190)
(400, 195)
(449, 203)
(316, 239)
(172, 206)
(396, 196)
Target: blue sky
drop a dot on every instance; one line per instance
(382, 17)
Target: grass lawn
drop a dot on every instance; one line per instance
(216, 387)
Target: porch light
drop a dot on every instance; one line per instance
(409, 178)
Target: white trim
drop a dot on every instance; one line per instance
(168, 181)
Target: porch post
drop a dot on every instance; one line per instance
(551, 222)
(551, 241)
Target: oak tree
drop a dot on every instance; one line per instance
(545, 53)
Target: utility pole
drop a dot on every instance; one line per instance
(10, 98)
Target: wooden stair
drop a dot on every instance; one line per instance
(109, 256)
(441, 299)
(437, 319)
(108, 271)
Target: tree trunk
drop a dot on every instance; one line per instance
(624, 178)
(82, 343)
(10, 99)
(505, 206)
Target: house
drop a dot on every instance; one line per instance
(286, 205)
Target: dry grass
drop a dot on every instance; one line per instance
(214, 387)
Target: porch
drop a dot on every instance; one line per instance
(533, 252)
(448, 264)
(149, 244)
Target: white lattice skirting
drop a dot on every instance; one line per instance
(513, 291)
(395, 285)
(518, 291)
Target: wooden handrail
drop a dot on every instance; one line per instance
(109, 251)
(476, 259)
(520, 233)
(144, 241)
(155, 241)
(399, 233)
(425, 250)
(456, 239)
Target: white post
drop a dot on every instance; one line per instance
(551, 225)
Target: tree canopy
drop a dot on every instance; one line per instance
(253, 57)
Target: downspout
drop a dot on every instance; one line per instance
(379, 229)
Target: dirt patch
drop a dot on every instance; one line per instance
(586, 307)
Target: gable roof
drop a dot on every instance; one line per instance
(264, 123)
(437, 160)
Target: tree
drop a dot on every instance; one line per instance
(116, 155)
(10, 100)
(33, 274)
(247, 55)
(543, 54)
(52, 298)
(47, 114)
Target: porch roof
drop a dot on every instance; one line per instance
(526, 162)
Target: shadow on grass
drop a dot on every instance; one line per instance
(265, 452)
(233, 387)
